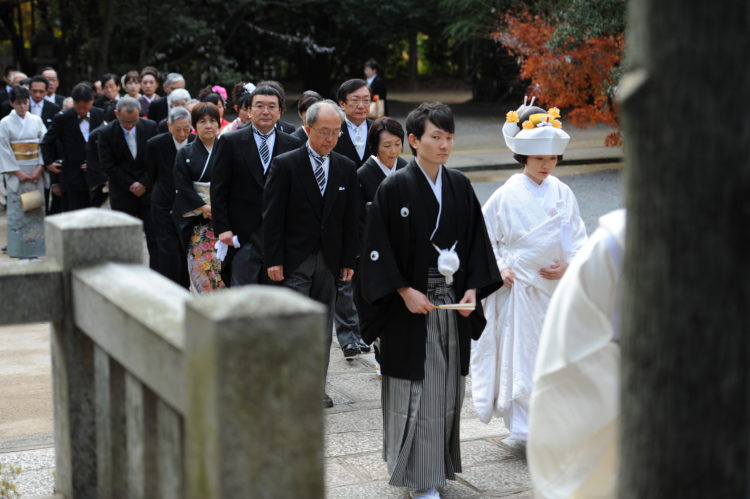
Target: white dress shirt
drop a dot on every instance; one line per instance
(358, 134)
(269, 142)
(84, 125)
(325, 165)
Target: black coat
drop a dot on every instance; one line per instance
(377, 87)
(238, 181)
(49, 111)
(65, 141)
(285, 127)
(158, 109)
(298, 221)
(346, 147)
(160, 157)
(121, 168)
(397, 252)
(192, 164)
(300, 134)
(95, 174)
(59, 99)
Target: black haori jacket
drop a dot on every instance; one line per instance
(397, 252)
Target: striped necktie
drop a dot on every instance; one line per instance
(320, 174)
(265, 154)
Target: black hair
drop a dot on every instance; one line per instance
(384, 124)
(526, 113)
(245, 101)
(522, 158)
(205, 108)
(208, 95)
(150, 70)
(373, 64)
(25, 82)
(278, 86)
(308, 98)
(437, 113)
(109, 76)
(38, 79)
(8, 70)
(266, 90)
(348, 87)
(18, 93)
(131, 75)
(82, 92)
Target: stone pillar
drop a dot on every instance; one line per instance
(254, 418)
(78, 239)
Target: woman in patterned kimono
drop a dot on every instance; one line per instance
(192, 204)
(535, 229)
(21, 163)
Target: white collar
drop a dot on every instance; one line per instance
(371, 79)
(353, 126)
(386, 171)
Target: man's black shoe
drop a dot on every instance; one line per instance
(327, 402)
(363, 347)
(350, 351)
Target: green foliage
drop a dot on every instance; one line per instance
(578, 20)
(8, 475)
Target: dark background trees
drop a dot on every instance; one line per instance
(306, 43)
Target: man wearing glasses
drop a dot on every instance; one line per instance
(354, 99)
(241, 163)
(311, 215)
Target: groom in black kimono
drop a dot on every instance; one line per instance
(424, 352)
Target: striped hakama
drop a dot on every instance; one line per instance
(421, 418)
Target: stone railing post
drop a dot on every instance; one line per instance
(255, 381)
(79, 239)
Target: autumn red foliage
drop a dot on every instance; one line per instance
(575, 76)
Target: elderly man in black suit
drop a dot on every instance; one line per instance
(311, 213)
(122, 152)
(354, 98)
(159, 108)
(239, 175)
(54, 83)
(64, 147)
(40, 106)
(161, 151)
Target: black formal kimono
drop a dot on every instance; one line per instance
(193, 163)
(397, 252)
(160, 159)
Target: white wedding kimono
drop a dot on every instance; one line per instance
(531, 227)
(572, 449)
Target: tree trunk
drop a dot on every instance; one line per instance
(686, 310)
(413, 59)
(108, 18)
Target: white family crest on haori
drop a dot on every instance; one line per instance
(531, 130)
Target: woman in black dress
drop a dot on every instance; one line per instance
(192, 203)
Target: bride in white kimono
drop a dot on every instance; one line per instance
(535, 230)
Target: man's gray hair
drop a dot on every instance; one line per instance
(312, 112)
(178, 94)
(128, 104)
(173, 78)
(178, 113)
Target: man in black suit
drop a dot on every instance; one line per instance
(39, 105)
(64, 147)
(54, 83)
(161, 151)
(122, 152)
(354, 98)
(96, 178)
(310, 214)
(159, 108)
(239, 174)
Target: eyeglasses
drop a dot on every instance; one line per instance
(261, 107)
(327, 133)
(357, 101)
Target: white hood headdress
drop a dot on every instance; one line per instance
(541, 134)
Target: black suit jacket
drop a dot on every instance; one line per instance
(285, 127)
(300, 134)
(49, 110)
(346, 147)
(237, 181)
(59, 100)
(65, 141)
(95, 175)
(298, 221)
(158, 109)
(160, 155)
(120, 166)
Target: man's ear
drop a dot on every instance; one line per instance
(413, 140)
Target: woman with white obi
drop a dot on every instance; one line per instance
(535, 229)
(21, 163)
